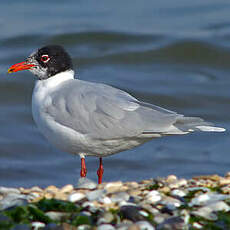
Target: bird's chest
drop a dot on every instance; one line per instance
(61, 136)
(41, 100)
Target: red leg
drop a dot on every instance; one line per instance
(83, 168)
(100, 171)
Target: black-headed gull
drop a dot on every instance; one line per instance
(93, 119)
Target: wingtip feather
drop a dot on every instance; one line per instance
(210, 128)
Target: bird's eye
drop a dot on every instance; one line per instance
(45, 58)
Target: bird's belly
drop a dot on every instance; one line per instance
(64, 138)
(108, 147)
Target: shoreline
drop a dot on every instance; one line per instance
(202, 202)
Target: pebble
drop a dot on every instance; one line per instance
(60, 196)
(83, 227)
(144, 213)
(207, 212)
(37, 225)
(159, 218)
(106, 217)
(130, 205)
(197, 225)
(224, 181)
(95, 195)
(193, 189)
(57, 216)
(105, 200)
(153, 196)
(171, 179)
(131, 213)
(134, 192)
(113, 186)
(91, 206)
(75, 197)
(170, 201)
(86, 183)
(132, 184)
(144, 225)
(119, 197)
(227, 174)
(52, 189)
(134, 227)
(205, 199)
(105, 227)
(177, 192)
(5, 190)
(12, 200)
(177, 183)
(172, 224)
(67, 188)
(49, 195)
(123, 226)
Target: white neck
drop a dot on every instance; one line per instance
(58, 78)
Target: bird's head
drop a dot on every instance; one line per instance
(45, 62)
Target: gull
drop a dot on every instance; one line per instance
(94, 119)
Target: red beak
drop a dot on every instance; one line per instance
(20, 66)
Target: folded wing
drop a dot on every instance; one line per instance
(104, 112)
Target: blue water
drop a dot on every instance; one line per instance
(175, 54)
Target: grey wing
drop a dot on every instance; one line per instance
(105, 112)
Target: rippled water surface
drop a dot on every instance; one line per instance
(175, 54)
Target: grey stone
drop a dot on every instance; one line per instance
(105, 227)
(122, 226)
(144, 225)
(161, 217)
(207, 212)
(207, 198)
(86, 183)
(12, 200)
(203, 189)
(5, 190)
(131, 212)
(95, 195)
(171, 202)
(57, 216)
(172, 224)
(178, 193)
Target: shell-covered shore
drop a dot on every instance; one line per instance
(202, 202)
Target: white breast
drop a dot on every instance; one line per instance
(62, 137)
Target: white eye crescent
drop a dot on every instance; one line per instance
(45, 58)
